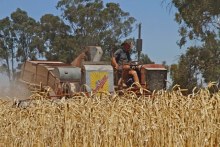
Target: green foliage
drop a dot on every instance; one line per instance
(197, 19)
(83, 23)
(3, 68)
(185, 73)
(209, 63)
(26, 30)
(92, 23)
(202, 60)
(58, 43)
(19, 40)
(144, 59)
(7, 44)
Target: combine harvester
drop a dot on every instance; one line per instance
(87, 73)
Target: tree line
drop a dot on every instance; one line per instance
(198, 21)
(92, 22)
(61, 38)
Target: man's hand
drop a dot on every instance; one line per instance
(116, 66)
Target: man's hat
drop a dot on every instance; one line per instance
(130, 43)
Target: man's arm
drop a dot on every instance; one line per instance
(114, 63)
(117, 54)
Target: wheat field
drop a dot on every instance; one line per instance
(167, 118)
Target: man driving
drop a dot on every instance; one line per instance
(121, 59)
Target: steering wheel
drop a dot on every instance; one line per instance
(134, 64)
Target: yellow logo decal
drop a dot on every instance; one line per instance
(99, 81)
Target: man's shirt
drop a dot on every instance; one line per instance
(122, 57)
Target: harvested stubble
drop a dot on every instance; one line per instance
(167, 119)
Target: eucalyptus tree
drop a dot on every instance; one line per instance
(186, 72)
(200, 21)
(94, 23)
(19, 40)
(26, 29)
(58, 42)
(209, 62)
(197, 64)
(7, 46)
(197, 19)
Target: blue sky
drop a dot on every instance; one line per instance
(159, 30)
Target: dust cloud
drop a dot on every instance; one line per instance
(12, 90)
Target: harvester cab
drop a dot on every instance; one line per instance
(151, 76)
